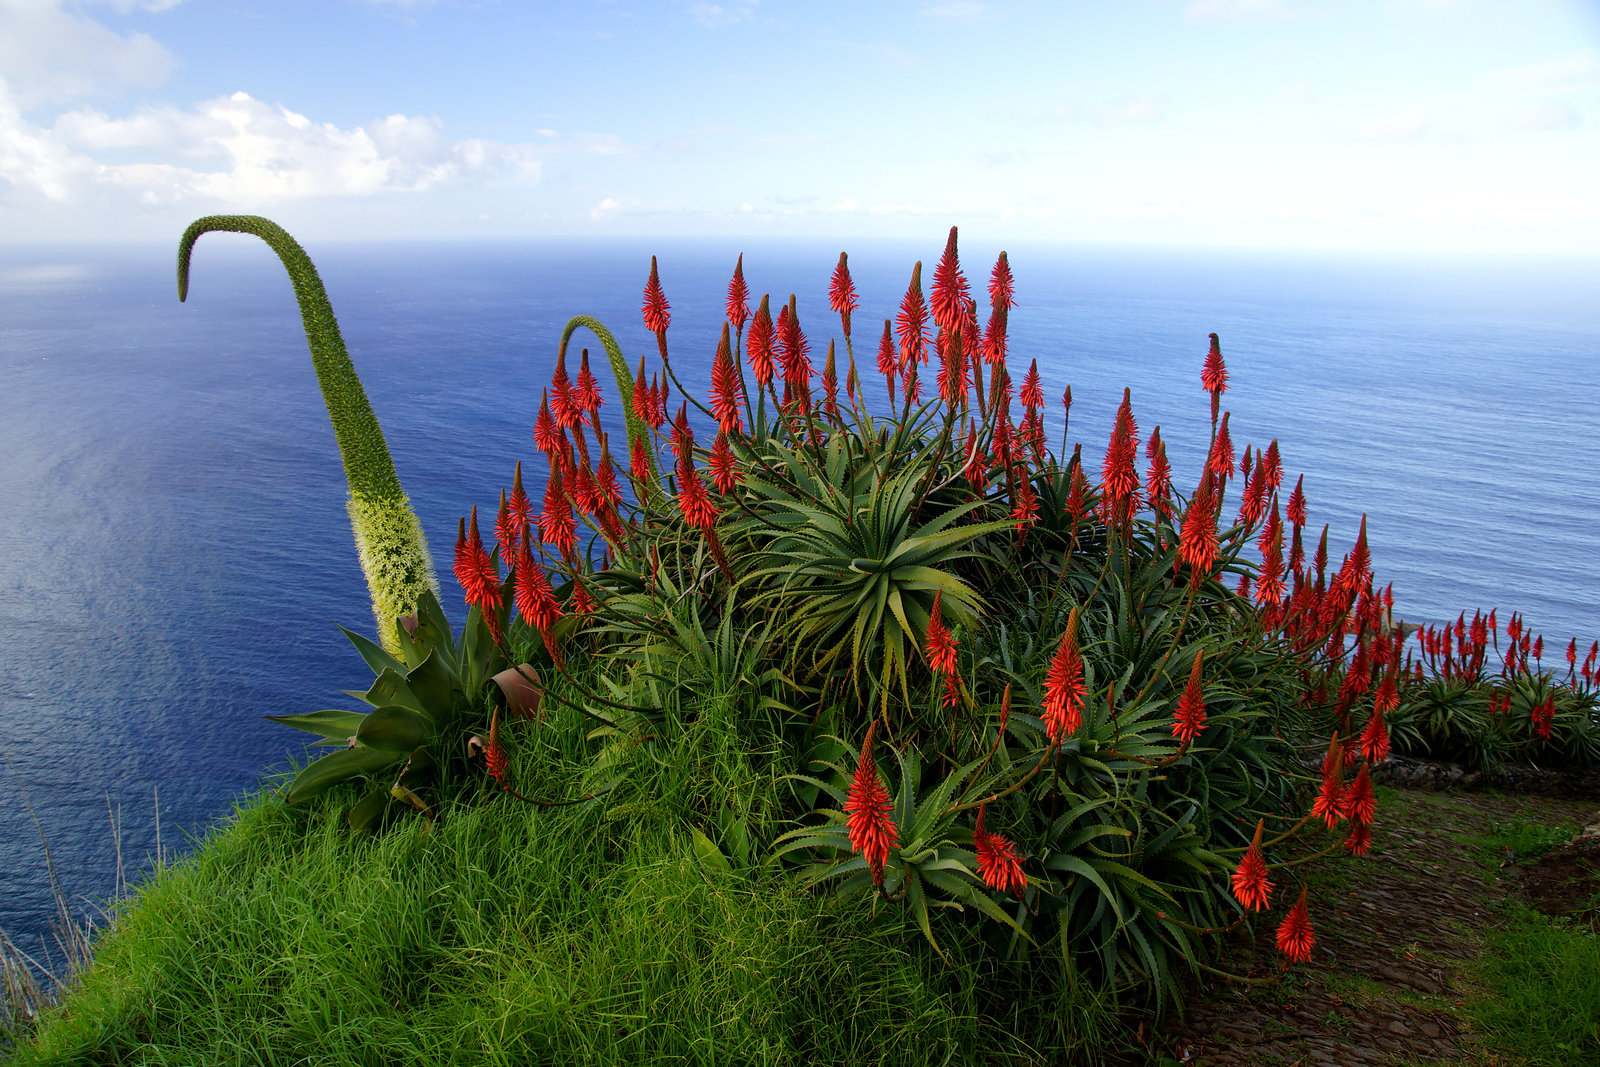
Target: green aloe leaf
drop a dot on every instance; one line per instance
(394, 728)
(337, 767)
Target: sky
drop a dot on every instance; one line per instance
(1461, 126)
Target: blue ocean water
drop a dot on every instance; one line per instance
(175, 553)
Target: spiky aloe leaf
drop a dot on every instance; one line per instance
(389, 540)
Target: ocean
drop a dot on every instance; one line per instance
(175, 554)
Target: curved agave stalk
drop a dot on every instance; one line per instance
(637, 430)
(389, 540)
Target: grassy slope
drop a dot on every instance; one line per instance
(509, 933)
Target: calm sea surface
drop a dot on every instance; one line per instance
(175, 552)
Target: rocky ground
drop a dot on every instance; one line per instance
(1395, 933)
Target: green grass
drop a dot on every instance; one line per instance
(509, 933)
(1539, 1006)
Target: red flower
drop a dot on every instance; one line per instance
(1220, 461)
(1297, 503)
(1119, 480)
(657, 315)
(998, 863)
(912, 323)
(830, 385)
(1360, 803)
(738, 296)
(949, 289)
(1214, 376)
(556, 523)
(1026, 508)
(1031, 395)
(494, 754)
(1063, 686)
(586, 394)
(941, 647)
(535, 601)
(639, 461)
(1359, 839)
(1295, 936)
(1078, 495)
(519, 504)
(1251, 887)
(1197, 541)
(842, 293)
(1274, 466)
(952, 690)
(758, 346)
(1158, 479)
(872, 831)
(562, 405)
(1269, 586)
(1329, 805)
(607, 493)
(724, 469)
(886, 361)
(793, 349)
(1000, 290)
(505, 534)
(547, 436)
(1190, 717)
(725, 387)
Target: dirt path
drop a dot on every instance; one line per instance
(1393, 933)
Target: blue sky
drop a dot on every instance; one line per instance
(1392, 125)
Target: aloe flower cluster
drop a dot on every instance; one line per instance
(900, 559)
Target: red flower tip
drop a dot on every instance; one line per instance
(868, 807)
(950, 291)
(738, 296)
(562, 404)
(724, 468)
(1064, 687)
(1032, 395)
(725, 386)
(842, 293)
(656, 310)
(1220, 461)
(1330, 803)
(912, 323)
(1295, 936)
(1359, 839)
(1000, 288)
(1190, 717)
(1214, 375)
(1119, 480)
(1274, 466)
(494, 754)
(1251, 887)
(998, 863)
(1360, 803)
(1197, 541)
(941, 647)
(535, 601)
(586, 394)
(1297, 503)
(758, 345)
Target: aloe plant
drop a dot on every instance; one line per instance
(389, 539)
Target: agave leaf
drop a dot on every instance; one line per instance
(373, 653)
(433, 683)
(395, 728)
(336, 767)
(366, 812)
(333, 723)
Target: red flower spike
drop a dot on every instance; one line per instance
(1214, 376)
(1254, 503)
(1251, 887)
(494, 754)
(562, 405)
(1066, 402)
(994, 338)
(1158, 479)
(724, 469)
(1220, 461)
(505, 532)
(886, 360)
(950, 292)
(1269, 586)
(1360, 558)
(758, 345)
(1197, 541)
(586, 394)
(1359, 839)
(842, 293)
(1538, 648)
(738, 296)
(1274, 467)
(643, 398)
(1360, 803)
(1190, 717)
(521, 507)
(1063, 686)
(608, 494)
(1031, 395)
(830, 385)
(1026, 509)
(725, 386)
(582, 602)
(1078, 495)
(1000, 287)
(535, 601)
(940, 646)
(868, 807)
(1295, 936)
(1119, 480)
(656, 310)
(463, 567)
(912, 323)
(952, 690)
(639, 461)
(793, 348)
(556, 523)
(998, 863)
(547, 436)
(1572, 653)
(1329, 805)
(1296, 512)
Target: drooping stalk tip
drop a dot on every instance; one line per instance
(390, 544)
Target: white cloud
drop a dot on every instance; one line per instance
(709, 14)
(608, 208)
(241, 152)
(49, 53)
(1404, 126)
(1547, 115)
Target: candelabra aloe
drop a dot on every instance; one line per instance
(389, 540)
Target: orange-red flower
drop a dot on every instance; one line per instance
(941, 647)
(950, 291)
(556, 523)
(1214, 376)
(1190, 717)
(725, 386)
(1197, 541)
(586, 393)
(867, 807)
(1297, 503)
(998, 863)
(724, 469)
(1063, 686)
(842, 293)
(1329, 805)
(562, 405)
(1295, 936)
(519, 505)
(1119, 480)
(494, 754)
(758, 345)
(1251, 887)
(1220, 461)
(738, 296)
(912, 324)
(1360, 803)
(547, 436)
(1269, 584)
(535, 600)
(656, 310)
(1158, 479)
